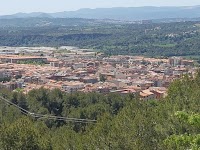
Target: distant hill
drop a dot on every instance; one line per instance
(44, 21)
(123, 13)
(27, 15)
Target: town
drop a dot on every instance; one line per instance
(81, 70)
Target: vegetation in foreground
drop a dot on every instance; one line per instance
(122, 122)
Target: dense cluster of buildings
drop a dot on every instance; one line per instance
(74, 70)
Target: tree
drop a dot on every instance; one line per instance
(14, 98)
(22, 101)
(23, 135)
(188, 140)
(102, 78)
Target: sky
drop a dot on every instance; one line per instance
(14, 6)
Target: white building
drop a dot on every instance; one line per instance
(71, 87)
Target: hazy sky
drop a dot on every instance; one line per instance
(14, 6)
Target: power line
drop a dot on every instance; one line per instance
(49, 117)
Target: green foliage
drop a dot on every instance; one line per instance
(160, 39)
(5, 79)
(123, 122)
(18, 76)
(102, 78)
(23, 135)
(188, 140)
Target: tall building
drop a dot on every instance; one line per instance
(175, 61)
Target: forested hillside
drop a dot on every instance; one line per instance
(122, 122)
(161, 39)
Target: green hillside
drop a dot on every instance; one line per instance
(159, 39)
(122, 122)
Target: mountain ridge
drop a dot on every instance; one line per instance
(119, 13)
